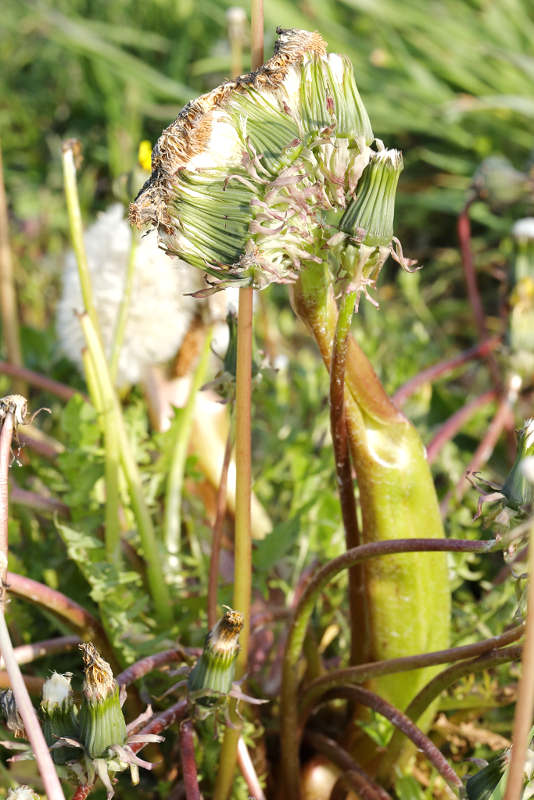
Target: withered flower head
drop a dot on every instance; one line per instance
(215, 669)
(102, 723)
(59, 715)
(250, 180)
(8, 708)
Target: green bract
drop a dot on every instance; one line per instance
(59, 715)
(215, 669)
(102, 723)
(251, 181)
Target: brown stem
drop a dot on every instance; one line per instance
(27, 653)
(50, 505)
(338, 424)
(63, 607)
(189, 766)
(150, 663)
(439, 684)
(468, 266)
(25, 708)
(220, 510)
(525, 692)
(402, 723)
(452, 426)
(34, 685)
(482, 453)
(356, 778)
(44, 446)
(41, 381)
(444, 367)
(362, 672)
(164, 720)
(8, 297)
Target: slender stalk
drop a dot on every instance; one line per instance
(70, 152)
(338, 424)
(146, 665)
(297, 631)
(83, 791)
(525, 693)
(242, 536)
(22, 698)
(362, 783)
(439, 684)
(27, 653)
(48, 505)
(248, 772)
(156, 581)
(36, 379)
(403, 725)
(74, 615)
(444, 368)
(189, 767)
(172, 524)
(482, 453)
(91, 379)
(122, 316)
(165, 719)
(450, 428)
(8, 295)
(220, 510)
(33, 684)
(362, 672)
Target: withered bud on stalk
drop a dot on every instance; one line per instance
(8, 708)
(215, 669)
(102, 723)
(59, 715)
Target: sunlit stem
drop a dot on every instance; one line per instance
(122, 317)
(181, 435)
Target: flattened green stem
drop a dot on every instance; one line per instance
(362, 672)
(357, 608)
(122, 317)
(76, 227)
(303, 611)
(156, 581)
(182, 433)
(439, 684)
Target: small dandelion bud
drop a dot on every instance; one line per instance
(8, 708)
(369, 221)
(215, 669)
(498, 182)
(518, 489)
(102, 723)
(59, 715)
(22, 793)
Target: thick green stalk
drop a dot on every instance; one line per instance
(182, 433)
(156, 580)
(122, 317)
(407, 599)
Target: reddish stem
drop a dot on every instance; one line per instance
(482, 453)
(44, 447)
(63, 607)
(358, 780)
(248, 772)
(82, 792)
(41, 381)
(34, 684)
(468, 266)
(429, 374)
(402, 723)
(454, 424)
(164, 720)
(146, 665)
(37, 502)
(189, 766)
